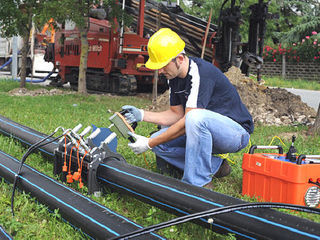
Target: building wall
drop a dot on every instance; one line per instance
(303, 70)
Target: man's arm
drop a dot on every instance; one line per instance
(165, 118)
(174, 131)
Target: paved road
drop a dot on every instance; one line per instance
(310, 97)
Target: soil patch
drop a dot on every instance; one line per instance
(37, 92)
(269, 106)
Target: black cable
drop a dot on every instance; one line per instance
(23, 159)
(212, 212)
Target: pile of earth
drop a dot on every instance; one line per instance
(269, 106)
(37, 92)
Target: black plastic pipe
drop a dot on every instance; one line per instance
(91, 217)
(180, 198)
(4, 235)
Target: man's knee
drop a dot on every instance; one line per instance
(157, 133)
(195, 117)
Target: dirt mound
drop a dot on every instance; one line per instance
(161, 103)
(37, 92)
(270, 106)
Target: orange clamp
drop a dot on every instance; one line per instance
(69, 178)
(76, 175)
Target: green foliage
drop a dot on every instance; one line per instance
(302, 17)
(77, 11)
(14, 17)
(201, 8)
(295, 18)
(306, 50)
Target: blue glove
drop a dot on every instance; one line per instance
(134, 114)
(140, 145)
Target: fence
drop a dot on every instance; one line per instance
(302, 70)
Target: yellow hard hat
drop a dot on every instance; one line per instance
(163, 46)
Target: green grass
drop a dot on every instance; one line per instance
(45, 113)
(8, 84)
(291, 83)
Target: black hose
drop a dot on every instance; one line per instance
(212, 212)
(23, 159)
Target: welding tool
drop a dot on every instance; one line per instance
(77, 128)
(80, 138)
(99, 136)
(108, 140)
(90, 138)
(85, 131)
(122, 126)
(67, 132)
(296, 177)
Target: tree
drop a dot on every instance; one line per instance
(79, 13)
(315, 128)
(302, 18)
(16, 19)
(296, 18)
(201, 8)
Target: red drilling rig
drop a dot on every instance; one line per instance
(116, 57)
(115, 60)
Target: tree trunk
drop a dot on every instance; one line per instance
(24, 55)
(155, 86)
(24, 52)
(82, 84)
(315, 128)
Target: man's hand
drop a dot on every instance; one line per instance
(141, 145)
(134, 114)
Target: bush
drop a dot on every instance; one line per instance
(307, 50)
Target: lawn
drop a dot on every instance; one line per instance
(45, 113)
(291, 83)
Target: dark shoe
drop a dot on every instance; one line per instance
(167, 168)
(209, 185)
(224, 170)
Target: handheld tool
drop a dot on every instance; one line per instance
(122, 126)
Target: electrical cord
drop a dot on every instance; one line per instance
(212, 212)
(23, 159)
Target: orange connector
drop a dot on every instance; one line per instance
(64, 168)
(69, 178)
(76, 175)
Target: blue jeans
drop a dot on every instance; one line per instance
(207, 133)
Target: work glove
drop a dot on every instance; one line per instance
(134, 114)
(140, 145)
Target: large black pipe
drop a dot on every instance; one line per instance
(181, 198)
(91, 217)
(4, 235)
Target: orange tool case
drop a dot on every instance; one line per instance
(271, 177)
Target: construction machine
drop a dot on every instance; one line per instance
(223, 46)
(115, 60)
(116, 57)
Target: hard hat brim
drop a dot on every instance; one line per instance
(156, 65)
